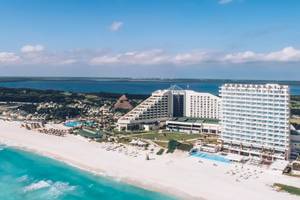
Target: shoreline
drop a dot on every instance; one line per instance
(100, 172)
(104, 175)
(177, 174)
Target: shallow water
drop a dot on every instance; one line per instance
(27, 176)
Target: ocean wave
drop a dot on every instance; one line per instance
(55, 189)
(2, 147)
(22, 178)
(59, 188)
(37, 185)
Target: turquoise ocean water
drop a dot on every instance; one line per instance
(27, 176)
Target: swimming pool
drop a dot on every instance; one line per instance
(212, 157)
(79, 123)
(72, 124)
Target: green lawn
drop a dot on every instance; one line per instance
(295, 104)
(287, 188)
(167, 136)
(88, 133)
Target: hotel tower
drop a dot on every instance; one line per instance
(255, 119)
(174, 102)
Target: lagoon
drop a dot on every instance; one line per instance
(130, 86)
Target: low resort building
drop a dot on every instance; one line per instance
(123, 103)
(295, 141)
(194, 125)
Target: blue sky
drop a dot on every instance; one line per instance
(256, 39)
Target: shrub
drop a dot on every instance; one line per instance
(172, 145)
(287, 188)
(160, 152)
(184, 147)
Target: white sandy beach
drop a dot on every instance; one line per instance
(176, 174)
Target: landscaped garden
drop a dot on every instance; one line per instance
(287, 188)
(166, 136)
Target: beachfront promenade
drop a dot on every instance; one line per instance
(176, 174)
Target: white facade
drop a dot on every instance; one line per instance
(165, 104)
(255, 119)
(202, 105)
(155, 108)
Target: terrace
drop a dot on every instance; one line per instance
(196, 120)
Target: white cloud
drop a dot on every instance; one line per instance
(144, 57)
(225, 1)
(8, 57)
(116, 26)
(158, 56)
(49, 58)
(149, 57)
(67, 61)
(241, 57)
(104, 60)
(288, 54)
(191, 58)
(32, 48)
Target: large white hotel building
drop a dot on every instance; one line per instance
(163, 105)
(201, 105)
(255, 119)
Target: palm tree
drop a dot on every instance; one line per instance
(147, 157)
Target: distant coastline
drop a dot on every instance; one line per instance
(137, 86)
(66, 78)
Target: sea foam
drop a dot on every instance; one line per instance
(37, 185)
(2, 147)
(59, 188)
(55, 189)
(22, 178)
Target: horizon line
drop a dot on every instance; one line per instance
(147, 78)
